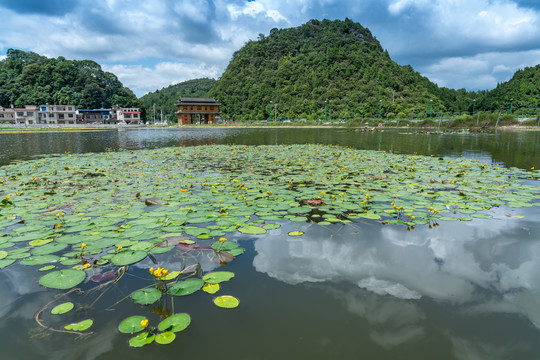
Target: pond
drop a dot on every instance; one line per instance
(325, 263)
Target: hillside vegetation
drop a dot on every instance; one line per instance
(336, 61)
(27, 78)
(167, 98)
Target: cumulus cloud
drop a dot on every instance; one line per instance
(147, 79)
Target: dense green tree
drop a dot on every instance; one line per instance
(27, 78)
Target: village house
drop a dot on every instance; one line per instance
(7, 115)
(92, 116)
(26, 115)
(197, 111)
(57, 114)
(125, 115)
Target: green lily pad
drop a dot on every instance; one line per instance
(175, 323)
(62, 308)
(165, 338)
(39, 259)
(226, 301)
(80, 326)
(211, 288)
(296, 233)
(252, 230)
(218, 277)
(62, 279)
(3, 254)
(146, 296)
(142, 339)
(186, 287)
(46, 268)
(131, 324)
(128, 257)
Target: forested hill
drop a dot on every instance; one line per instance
(338, 61)
(523, 90)
(167, 98)
(27, 78)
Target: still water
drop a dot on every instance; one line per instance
(357, 291)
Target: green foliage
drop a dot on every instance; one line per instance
(167, 98)
(339, 61)
(523, 88)
(27, 78)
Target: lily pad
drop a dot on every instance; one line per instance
(226, 301)
(211, 288)
(296, 233)
(218, 277)
(131, 324)
(62, 308)
(80, 326)
(186, 287)
(165, 338)
(128, 257)
(252, 230)
(62, 279)
(142, 339)
(175, 323)
(146, 296)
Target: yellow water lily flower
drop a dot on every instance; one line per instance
(144, 323)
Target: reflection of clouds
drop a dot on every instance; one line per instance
(485, 265)
(476, 350)
(392, 322)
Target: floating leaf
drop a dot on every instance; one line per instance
(46, 268)
(226, 301)
(175, 323)
(146, 296)
(141, 340)
(296, 233)
(165, 338)
(211, 288)
(186, 287)
(128, 257)
(62, 308)
(3, 254)
(39, 260)
(80, 326)
(252, 230)
(131, 324)
(218, 277)
(62, 279)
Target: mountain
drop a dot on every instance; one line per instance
(167, 98)
(523, 88)
(27, 78)
(340, 62)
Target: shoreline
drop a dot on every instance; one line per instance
(72, 127)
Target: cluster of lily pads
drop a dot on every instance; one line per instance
(76, 215)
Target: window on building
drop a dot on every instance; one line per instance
(20, 113)
(1, 116)
(70, 108)
(70, 115)
(199, 108)
(135, 115)
(10, 116)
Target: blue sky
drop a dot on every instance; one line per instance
(471, 44)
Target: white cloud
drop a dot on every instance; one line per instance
(142, 79)
(482, 71)
(253, 9)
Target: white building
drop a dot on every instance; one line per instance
(57, 114)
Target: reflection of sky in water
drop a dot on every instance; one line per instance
(485, 266)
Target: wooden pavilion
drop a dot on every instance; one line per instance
(197, 110)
